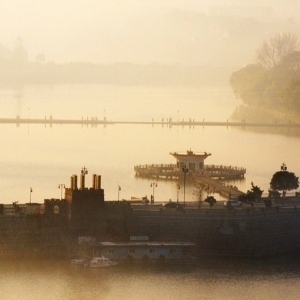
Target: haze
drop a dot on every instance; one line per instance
(163, 31)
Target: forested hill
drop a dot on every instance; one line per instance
(273, 83)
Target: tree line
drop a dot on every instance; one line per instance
(273, 82)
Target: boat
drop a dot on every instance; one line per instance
(78, 261)
(140, 249)
(102, 262)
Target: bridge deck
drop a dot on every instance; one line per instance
(216, 186)
(94, 121)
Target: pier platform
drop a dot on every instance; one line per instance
(170, 171)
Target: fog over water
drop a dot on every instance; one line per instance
(136, 61)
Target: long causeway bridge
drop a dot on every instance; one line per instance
(94, 121)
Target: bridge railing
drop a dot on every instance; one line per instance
(226, 169)
(155, 166)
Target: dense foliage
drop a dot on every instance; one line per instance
(252, 195)
(284, 181)
(210, 200)
(274, 82)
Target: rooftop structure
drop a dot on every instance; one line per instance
(84, 204)
(190, 160)
(191, 163)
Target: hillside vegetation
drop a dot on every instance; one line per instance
(272, 85)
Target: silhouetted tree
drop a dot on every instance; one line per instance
(210, 200)
(273, 196)
(284, 181)
(198, 192)
(256, 191)
(252, 195)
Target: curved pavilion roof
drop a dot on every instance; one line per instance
(190, 154)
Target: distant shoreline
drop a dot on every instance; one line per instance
(117, 74)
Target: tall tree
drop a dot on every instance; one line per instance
(284, 181)
(252, 195)
(271, 52)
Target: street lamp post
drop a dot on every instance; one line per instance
(119, 189)
(61, 186)
(283, 167)
(178, 188)
(84, 171)
(153, 185)
(30, 192)
(184, 170)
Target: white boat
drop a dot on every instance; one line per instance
(78, 261)
(102, 262)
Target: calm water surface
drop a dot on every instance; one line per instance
(42, 157)
(215, 278)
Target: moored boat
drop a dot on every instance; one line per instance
(102, 262)
(78, 261)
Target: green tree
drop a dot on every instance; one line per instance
(284, 181)
(247, 83)
(292, 61)
(252, 195)
(210, 200)
(273, 83)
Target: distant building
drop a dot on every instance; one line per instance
(192, 161)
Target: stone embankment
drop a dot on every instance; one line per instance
(245, 231)
(239, 232)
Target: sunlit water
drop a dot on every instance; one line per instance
(42, 157)
(214, 278)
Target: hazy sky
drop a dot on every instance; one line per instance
(110, 30)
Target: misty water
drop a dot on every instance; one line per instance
(42, 157)
(210, 278)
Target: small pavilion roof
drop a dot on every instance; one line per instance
(190, 153)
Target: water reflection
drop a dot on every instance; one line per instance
(210, 278)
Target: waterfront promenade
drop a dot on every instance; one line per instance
(94, 121)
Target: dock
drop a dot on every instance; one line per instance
(190, 165)
(170, 171)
